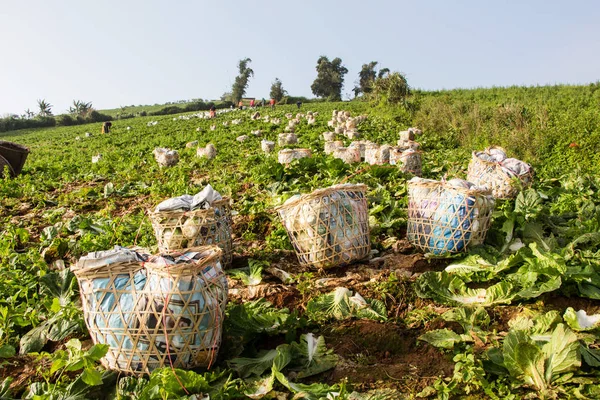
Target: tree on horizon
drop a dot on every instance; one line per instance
(330, 79)
(45, 108)
(238, 90)
(277, 91)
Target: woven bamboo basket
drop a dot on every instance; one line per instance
(286, 139)
(152, 316)
(286, 156)
(361, 145)
(330, 147)
(14, 155)
(409, 161)
(376, 154)
(349, 155)
(5, 163)
(329, 136)
(489, 174)
(328, 227)
(444, 219)
(182, 229)
(407, 135)
(267, 146)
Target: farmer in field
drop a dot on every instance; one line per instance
(213, 112)
(241, 105)
(272, 104)
(106, 127)
(252, 103)
(298, 104)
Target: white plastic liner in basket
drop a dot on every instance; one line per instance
(328, 227)
(492, 169)
(186, 202)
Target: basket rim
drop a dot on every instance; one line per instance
(14, 146)
(224, 201)
(444, 184)
(401, 149)
(346, 187)
(294, 150)
(495, 164)
(85, 272)
(487, 151)
(215, 254)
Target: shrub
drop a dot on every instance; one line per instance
(14, 123)
(225, 104)
(167, 110)
(295, 99)
(95, 116)
(65, 120)
(391, 89)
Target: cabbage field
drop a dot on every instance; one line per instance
(516, 317)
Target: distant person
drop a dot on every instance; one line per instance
(213, 111)
(241, 105)
(298, 104)
(262, 103)
(252, 103)
(106, 127)
(272, 104)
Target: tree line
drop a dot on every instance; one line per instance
(380, 86)
(81, 112)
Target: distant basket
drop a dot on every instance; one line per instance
(376, 154)
(152, 316)
(347, 154)
(329, 227)
(14, 155)
(503, 183)
(286, 156)
(409, 144)
(176, 230)
(408, 160)
(444, 219)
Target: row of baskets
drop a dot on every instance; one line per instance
(153, 314)
(330, 227)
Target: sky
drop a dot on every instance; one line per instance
(119, 53)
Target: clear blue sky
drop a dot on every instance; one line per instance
(144, 52)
